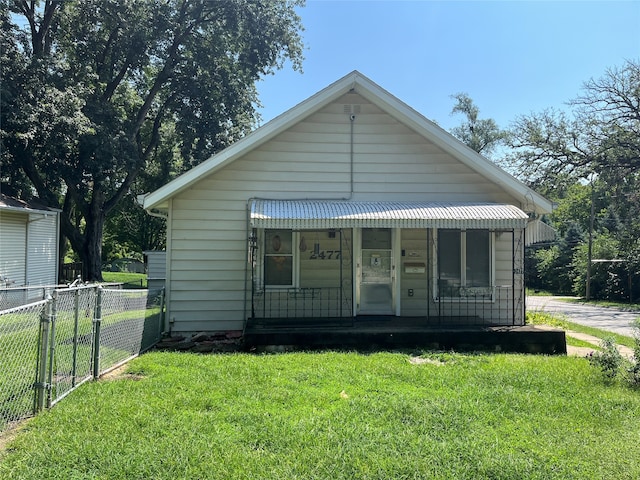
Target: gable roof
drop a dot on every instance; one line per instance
(354, 81)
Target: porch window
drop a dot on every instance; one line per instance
(464, 262)
(278, 258)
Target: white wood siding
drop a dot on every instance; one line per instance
(415, 245)
(312, 160)
(13, 238)
(42, 250)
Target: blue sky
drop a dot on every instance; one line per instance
(512, 58)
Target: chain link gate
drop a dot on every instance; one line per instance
(49, 348)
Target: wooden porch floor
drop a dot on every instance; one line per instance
(384, 333)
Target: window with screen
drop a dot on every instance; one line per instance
(278, 261)
(464, 261)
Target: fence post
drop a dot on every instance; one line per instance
(97, 320)
(76, 317)
(52, 345)
(41, 385)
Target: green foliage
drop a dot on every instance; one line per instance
(131, 231)
(103, 90)
(609, 360)
(550, 263)
(481, 135)
(612, 364)
(596, 140)
(606, 279)
(633, 371)
(543, 318)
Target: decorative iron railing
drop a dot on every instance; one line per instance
(494, 305)
(454, 306)
(301, 303)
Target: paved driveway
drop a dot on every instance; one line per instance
(605, 318)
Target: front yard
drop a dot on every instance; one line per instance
(338, 416)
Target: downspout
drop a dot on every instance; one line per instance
(57, 273)
(352, 119)
(26, 251)
(246, 270)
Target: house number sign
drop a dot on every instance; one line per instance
(325, 255)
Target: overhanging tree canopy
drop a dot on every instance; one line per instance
(98, 87)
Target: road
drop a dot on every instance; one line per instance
(605, 318)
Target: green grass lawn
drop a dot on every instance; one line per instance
(543, 318)
(633, 307)
(335, 415)
(130, 280)
(123, 334)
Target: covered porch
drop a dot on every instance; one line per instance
(322, 263)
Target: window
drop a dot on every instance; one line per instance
(464, 262)
(278, 258)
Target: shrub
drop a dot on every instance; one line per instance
(609, 360)
(633, 371)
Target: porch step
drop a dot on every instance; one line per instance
(520, 339)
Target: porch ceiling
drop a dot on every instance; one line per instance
(324, 214)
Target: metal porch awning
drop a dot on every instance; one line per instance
(327, 214)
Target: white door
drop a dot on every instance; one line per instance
(376, 292)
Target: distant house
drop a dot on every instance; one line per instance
(29, 234)
(350, 206)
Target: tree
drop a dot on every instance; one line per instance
(610, 109)
(596, 139)
(483, 136)
(103, 78)
(599, 136)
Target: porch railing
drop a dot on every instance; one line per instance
(455, 306)
(493, 305)
(301, 303)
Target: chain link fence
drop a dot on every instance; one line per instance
(19, 340)
(50, 347)
(11, 297)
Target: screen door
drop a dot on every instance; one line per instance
(376, 275)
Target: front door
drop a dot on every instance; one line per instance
(376, 272)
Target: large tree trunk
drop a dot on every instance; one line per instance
(91, 253)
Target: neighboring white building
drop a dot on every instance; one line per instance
(156, 263)
(351, 204)
(29, 239)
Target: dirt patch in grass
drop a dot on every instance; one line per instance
(10, 433)
(579, 351)
(423, 360)
(120, 373)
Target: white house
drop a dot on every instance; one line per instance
(29, 236)
(349, 206)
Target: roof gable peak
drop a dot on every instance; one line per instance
(356, 82)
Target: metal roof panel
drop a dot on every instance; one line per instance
(312, 214)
